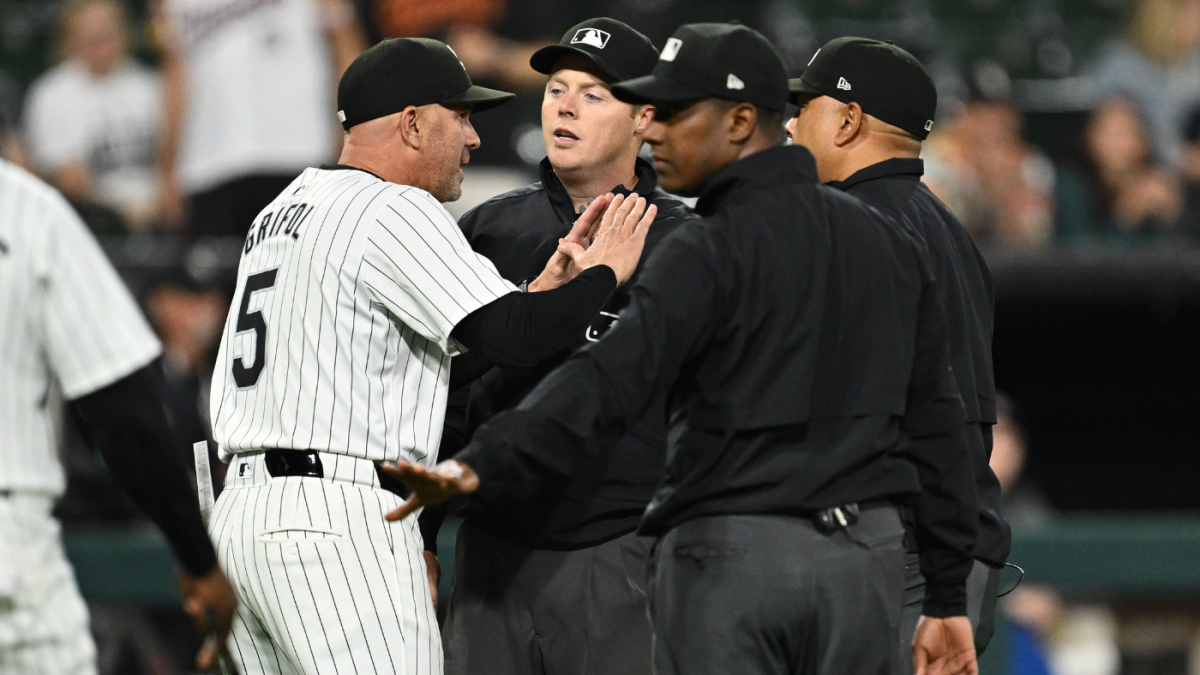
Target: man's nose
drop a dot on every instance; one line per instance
(472, 141)
(791, 127)
(568, 106)
(654, 133)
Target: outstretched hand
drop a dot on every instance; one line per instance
(618, 240)
(430, 485)
(210, 601)
(945, 646)
(561, 268)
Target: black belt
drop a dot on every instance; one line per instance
(844, 515)
(307, 463)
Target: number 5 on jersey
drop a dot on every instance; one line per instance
(247, 376)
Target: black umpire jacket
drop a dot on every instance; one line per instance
(519, 231)
(894, 187)
(802, 343)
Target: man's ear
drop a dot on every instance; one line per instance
(643, 117)
(852, 124)
(410, 122)
(743, 120)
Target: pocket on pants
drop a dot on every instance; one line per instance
(296, 533)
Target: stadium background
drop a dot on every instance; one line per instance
(1050, 144)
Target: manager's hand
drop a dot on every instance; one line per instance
(618, 241)
(430, 485)
(945, 646)
(561, 268)
(210, 602)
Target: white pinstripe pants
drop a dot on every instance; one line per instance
(326, 584)
(43, 620)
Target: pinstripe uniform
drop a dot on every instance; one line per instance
(65, 314)
(338, 341)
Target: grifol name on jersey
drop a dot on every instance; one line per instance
(287, 222)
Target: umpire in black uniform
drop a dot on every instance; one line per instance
(552, 581)
(802, 345)
(865, 108)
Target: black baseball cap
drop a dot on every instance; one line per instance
(618, 51)
(713, 60)
(888, 82)
(400, 72)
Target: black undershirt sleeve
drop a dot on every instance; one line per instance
(126, 423)
(520, 329)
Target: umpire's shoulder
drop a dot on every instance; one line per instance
(491, 210)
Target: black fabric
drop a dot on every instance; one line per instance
(739, 594)
(886, 81)
(230, 208)
(520, 329)
(126, 423)
(801, 341)
(618, 50)
(722, 60)
(400, 72)
(605, 498)
(894, 187)
(514, 610)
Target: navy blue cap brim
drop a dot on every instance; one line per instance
(651, 88)
(480, 98)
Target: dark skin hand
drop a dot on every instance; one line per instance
(945, 646)
(202, 595)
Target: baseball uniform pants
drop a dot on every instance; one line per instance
(774, 595)
(326, 585)
(43, 619)
(982, 587)
(520, 611)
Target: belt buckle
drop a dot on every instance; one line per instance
(304, 463)
(836, 517)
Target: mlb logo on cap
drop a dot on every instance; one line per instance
(591, 36)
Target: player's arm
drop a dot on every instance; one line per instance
(600, 391)
(342, 30)
(947, 509)
(174, 94)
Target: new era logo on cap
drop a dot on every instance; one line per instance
(843, 84)
(591, 36)
(928, 125)
(732, 82)
(671, 49)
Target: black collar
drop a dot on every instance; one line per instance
(347, 167)
(647, 181)
(774, 166)
(897, 167)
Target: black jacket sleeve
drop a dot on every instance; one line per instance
(126, 422)
(520, 329)
(592, 399)
(946, 511)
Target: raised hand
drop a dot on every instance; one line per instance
(618, 240)
(944, 647)
(560, 268)
(430, 486)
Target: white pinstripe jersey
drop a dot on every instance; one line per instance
(64, 313)
(338, 338)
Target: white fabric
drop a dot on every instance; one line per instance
(326, 584)
(369, 280)
(43, 620)
(259, 82)
(109, 124)
(64, 313)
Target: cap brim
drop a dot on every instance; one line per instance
(797, 87)
(544, 60)
(480, 98)
(651, 88)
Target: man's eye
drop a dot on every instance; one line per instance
(593, 97)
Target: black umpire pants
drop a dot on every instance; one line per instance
(520, 611)
(773, 595)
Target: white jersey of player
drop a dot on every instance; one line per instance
(338, 338)
(64, 313)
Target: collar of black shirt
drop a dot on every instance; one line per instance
(774, 166)
(647, 180)
(897, 167)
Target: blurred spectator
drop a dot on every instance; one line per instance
(1157, 63)
(1117, 193)
(92, 121)
(1000, 185)
(249, 101)
(11, 147)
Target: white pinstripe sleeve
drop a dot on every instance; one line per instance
(420, 267)
(95, 334)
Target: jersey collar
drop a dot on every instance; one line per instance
(897, 167)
